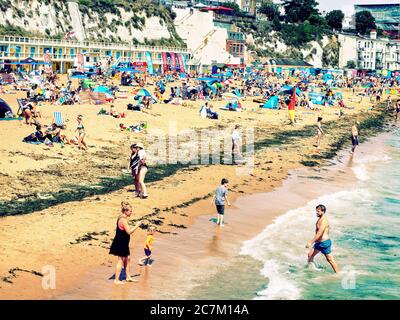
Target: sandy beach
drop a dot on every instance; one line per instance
(73, 231)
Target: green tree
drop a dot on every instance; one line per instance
(334, 19)
(351, 64)
(365, 22)
(232, 5)
(299, 10)
(270, 9)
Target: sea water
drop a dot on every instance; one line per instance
(365, 229)
(364, 218)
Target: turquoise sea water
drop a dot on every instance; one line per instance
(365, 229)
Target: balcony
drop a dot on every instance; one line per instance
(87, 44)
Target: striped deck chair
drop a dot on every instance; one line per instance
(21, 103)
(58, 119)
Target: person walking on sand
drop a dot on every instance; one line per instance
(134, 162)
(219, 198)
(354, 136)
(321, 241)
(236, 142)
(389, 103)
(145, 261)
(142, 171)
(397, 109)
(320, 132)
(81, 133)
(120, 244)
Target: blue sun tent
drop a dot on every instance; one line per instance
(327, 77)
(272, 103)
(289, 90)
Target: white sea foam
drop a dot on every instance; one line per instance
(279, 287)
(361, 172)
(371, 158)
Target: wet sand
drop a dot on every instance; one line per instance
(196, 254)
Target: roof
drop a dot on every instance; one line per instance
(218, 8)
(288, 62)
(365, 5)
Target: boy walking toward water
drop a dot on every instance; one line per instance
(145, 261)
(221, 194)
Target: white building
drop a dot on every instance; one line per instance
(369, 53)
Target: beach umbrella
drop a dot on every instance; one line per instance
(102, 89)
(228, 81)
(230, 95)
(142, 93)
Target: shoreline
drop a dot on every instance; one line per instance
(192, 212)
(203, 246)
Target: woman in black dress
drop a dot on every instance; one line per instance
(120, 244)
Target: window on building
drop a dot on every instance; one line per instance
(72, 52)
(32, 52)
(140, 56)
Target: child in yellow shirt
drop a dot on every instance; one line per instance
(148, 247)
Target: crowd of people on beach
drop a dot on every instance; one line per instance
(235, 87)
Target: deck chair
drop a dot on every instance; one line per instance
(21, 103)
(58, 119)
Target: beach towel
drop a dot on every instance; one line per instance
(58, 119)
(9, 119)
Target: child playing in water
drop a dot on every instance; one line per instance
(145, 261)
(221, 194)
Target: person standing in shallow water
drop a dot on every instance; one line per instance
(322, 242)
(120, 244)
(354, 136)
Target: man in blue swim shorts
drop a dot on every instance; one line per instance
(322, 242)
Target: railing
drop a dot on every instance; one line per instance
(89, 44)
(71, 57)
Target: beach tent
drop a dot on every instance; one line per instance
(4, 109)
(230, 95)
(289, 90)
(103, 89)
(272, 103)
